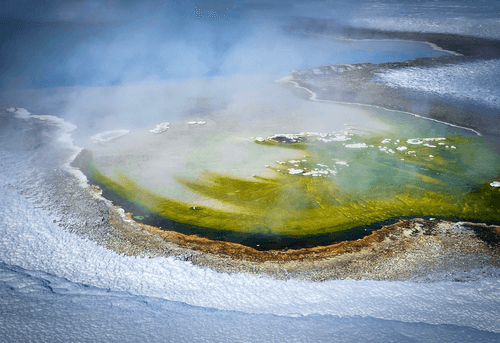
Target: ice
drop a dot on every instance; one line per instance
(22, 113)
(495, 184)
(342, 163)
(473, 18)
(477, 81)
(414, 141)
(200, 122)
(109, 135)
(45, 308)
(356, 145)
(162, 127)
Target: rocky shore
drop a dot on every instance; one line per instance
(355, 83)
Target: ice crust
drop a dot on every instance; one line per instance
(475, 18)
(109, 135)
(162, 127)
(42, 307)
(477, 81)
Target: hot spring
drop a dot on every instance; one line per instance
(281, 171)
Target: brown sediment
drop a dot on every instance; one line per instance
(402, 251)
(246, 253)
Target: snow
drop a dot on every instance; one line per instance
(46, 308)
(495, 184)
(162, 127)
(477, 81)
(356, 145)
(473, 18)
(109, 135)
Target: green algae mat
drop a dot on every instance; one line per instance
(342, 180)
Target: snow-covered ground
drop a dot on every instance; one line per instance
(478, 18)
(477, 81)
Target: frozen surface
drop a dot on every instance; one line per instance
(54, 309)
(475, 18)
(109, 135)
(68, 284)
(477, 81)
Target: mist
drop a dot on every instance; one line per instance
(102, 43)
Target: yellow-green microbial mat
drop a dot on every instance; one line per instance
(341, 181)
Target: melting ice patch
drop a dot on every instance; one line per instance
(475, 18)
(356, 145)
(109, 135)
(162, 127)
(477, 81)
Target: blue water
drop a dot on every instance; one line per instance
(85, 46)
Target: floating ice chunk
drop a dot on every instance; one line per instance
(386, 150)
(194, 122)
(109, 135)
(431, 156)
(11, 109)
(22, 113)
(260, 139)
(429, 145)
(386, 141)
(295, 171)
(342, 163)
(162, 127)
(341, 138)
(434, 139)
(356, 145)
(453, 147)
(414, 141)
(322, 165)
(495, 184)
(294, 161)
(401, 148)
(320, 172)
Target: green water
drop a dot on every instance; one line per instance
(341, 181)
